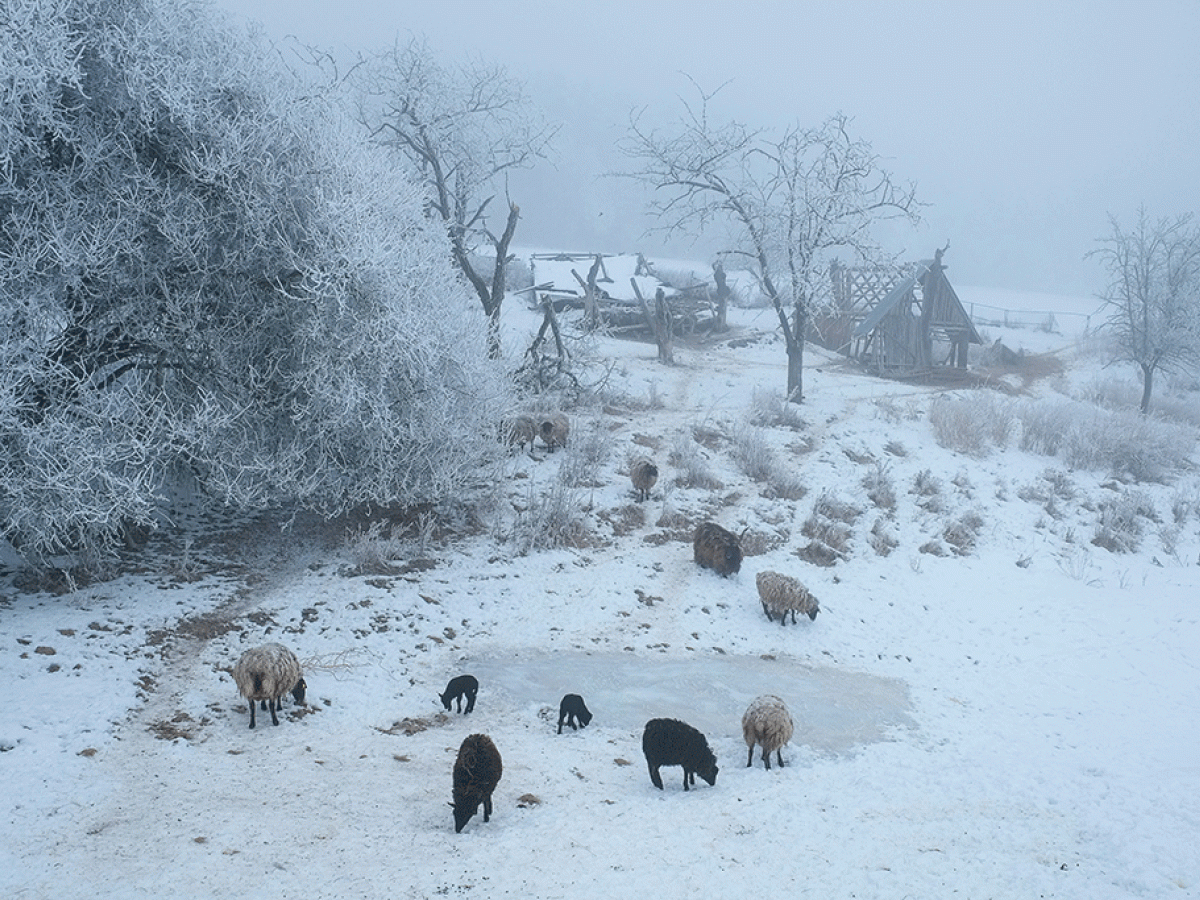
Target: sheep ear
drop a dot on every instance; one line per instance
(451, 805)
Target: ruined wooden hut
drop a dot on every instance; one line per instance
(918, 324)
(613, 289)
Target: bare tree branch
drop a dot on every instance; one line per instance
(792, 201)
(1153, 293)
(461, 129)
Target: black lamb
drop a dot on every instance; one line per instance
(460, 686)
(669, 742)
(477, 771)
(571, 708)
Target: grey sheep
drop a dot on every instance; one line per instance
(715, 548)
(781, 594)
(554, 429)
(264, 674)
(477, 771)
(644, 474)
(520, 431)
(670, 742)
(767, 723)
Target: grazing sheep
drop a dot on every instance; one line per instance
(715, 548)
(477, 771)
(669, 742)
(264, 674)
(519, 431)
(643, 473)
(554, 429)
(767, 723)
(571, 708)
(782, 594)
(457, 688)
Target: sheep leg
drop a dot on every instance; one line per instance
(275, 704)
(779, 756)
(767, 610)
(655, 778)
(251, 713)
(470, 701)
(487, 807)
(560, 722)
(750, 757)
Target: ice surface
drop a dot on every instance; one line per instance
(834, 709)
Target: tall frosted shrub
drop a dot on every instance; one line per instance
(204, 274)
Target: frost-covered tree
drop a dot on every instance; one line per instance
(1153, 293)
(204, 274)
(793, 201)
(462, 129)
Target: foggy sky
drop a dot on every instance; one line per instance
(1023, 124)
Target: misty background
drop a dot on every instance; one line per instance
(1023, 124)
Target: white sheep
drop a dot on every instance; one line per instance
(644, 474)
(781, 594)
(767, 723)
(264, 674)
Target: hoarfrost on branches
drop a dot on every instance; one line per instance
(205, 276)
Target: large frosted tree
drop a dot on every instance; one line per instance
(204, 276)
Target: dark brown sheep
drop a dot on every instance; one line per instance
(715, 548)
(477, 771)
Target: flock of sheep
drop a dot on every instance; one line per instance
(264, 674)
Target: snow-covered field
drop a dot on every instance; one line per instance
(1020, 720)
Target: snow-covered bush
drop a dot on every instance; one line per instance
(1122, 521)
(692, 469)
(203, 274)
(880, 487)
(972, 423)
(1124, 442)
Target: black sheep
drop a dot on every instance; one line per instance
(715, 548)
(459, 686)
(477, 771)
(669, 742)
(571, 708)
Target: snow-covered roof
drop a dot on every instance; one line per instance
(554, 272)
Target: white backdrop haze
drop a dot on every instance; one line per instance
(1024, 124)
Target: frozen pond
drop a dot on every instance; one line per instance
(834, 709)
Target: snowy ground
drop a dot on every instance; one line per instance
(1020, 721)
